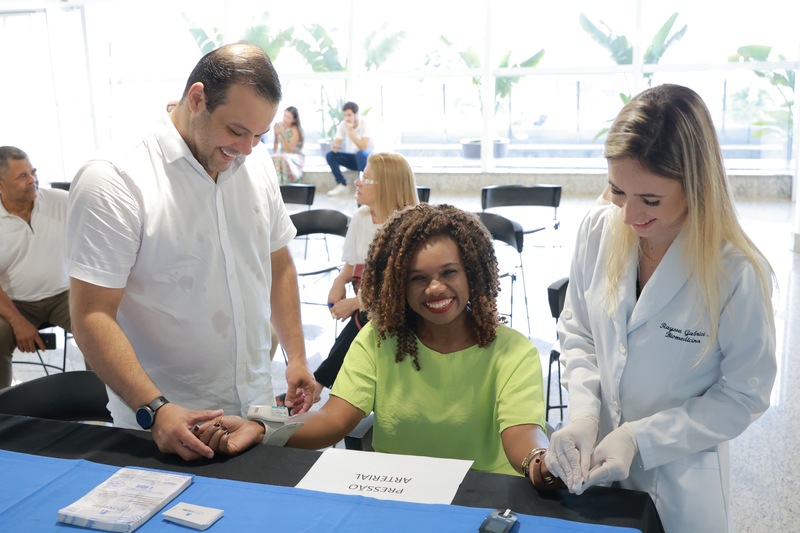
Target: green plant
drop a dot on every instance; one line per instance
(271, 42)
(205, 42)
(319, 51)
(379, 45)
(333, 109)
(781, 120)
(502, 85)
(260, 34)
(621, 50)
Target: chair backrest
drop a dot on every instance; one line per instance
(520, 196)
(503, 229)
(329, 221)
(424, 194)
(74, 396)
(513, 195)
(556, 294)
(298, 193)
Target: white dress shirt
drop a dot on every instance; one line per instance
(194, 257)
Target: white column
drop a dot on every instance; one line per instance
(487, 94)
(796, 158)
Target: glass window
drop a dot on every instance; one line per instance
(557, 73)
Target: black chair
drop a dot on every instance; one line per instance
(319, 222)
(524, 195)
(301, 194)
(41, 362)
(77, 396)
(509, 232)
(298, 193)
(556, 293)
(60, 185)
(424, 194)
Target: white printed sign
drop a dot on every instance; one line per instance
(407, 478)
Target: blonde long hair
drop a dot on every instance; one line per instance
(396, 187)
(669, 131)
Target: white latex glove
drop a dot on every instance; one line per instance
(611, 460)
(570, 452)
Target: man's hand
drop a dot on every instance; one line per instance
(172, 431)
(230, 435)
(27, 336)
(301, 393)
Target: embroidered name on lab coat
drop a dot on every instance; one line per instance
(685, 335)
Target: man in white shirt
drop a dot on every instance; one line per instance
(178, 255)
(34, 286)
(351, 147)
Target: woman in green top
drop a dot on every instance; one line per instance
(442, 375)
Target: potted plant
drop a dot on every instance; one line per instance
(333, 110)
(471, 147)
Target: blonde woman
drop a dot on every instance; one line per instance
(386, 185)
(667, 333)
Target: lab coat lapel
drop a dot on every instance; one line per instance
(665, 283)
(626, 297)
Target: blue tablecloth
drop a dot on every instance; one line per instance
(34, 488)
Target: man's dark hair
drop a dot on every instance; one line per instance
(9, 153)
(352, 106)
(235, 64)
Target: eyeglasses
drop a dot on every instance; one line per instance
(365, 180)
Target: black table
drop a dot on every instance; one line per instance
(287, 466)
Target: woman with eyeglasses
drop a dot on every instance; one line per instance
(386, 185)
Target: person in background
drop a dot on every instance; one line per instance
(442, 375)
(667, 334)
(34, 285)
(178, 256)
(287, 149)
(351, 147)
(385, 185)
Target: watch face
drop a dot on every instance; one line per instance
(144, 417)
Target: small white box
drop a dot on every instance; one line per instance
(194, 516)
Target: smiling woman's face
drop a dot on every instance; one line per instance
(654, 206)
(437, 288)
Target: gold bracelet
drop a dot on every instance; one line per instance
(526, 463)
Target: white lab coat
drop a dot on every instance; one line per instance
(642, 366)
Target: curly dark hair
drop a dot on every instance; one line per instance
(383, 287)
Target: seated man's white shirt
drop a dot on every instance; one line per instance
(194, 257)
(33, 262)
(361, 131)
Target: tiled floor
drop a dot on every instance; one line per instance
(766, 493)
